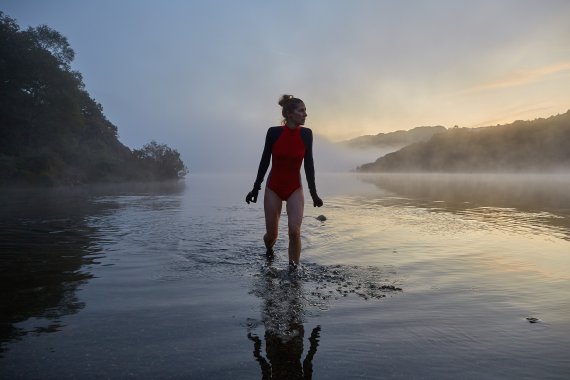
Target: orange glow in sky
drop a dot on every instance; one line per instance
(177, 70)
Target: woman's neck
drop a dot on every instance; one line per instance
(290, 125)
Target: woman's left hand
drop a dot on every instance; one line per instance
(317, 202)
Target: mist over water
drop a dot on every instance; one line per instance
(409, 276)
(525, 191)
(336, 158)
(330, 157)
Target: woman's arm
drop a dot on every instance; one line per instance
(270, 138)
(307, 136)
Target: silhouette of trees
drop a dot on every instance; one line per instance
(537, 145)
(394, 139)
(163, 161)
(51, 130)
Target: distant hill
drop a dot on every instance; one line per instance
(51, 131)
(396, 139)
(522, 146)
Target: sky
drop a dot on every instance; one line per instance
(204, 77)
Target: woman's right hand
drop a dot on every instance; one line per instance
(252, 196)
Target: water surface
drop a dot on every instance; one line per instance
(410, 276)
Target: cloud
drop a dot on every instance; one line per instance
(522, 77)
(204, 77)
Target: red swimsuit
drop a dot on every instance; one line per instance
(287, 155)
(287, 148)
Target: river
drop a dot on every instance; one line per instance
(409, 276)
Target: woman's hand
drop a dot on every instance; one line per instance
(317, 202)
(252, 196)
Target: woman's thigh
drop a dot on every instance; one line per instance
(295, 208)
(272, 205)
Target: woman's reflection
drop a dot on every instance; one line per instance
(283, 309)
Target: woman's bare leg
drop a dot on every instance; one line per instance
(295, 208)
(272, 206)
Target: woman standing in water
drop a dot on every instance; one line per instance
(286, 146)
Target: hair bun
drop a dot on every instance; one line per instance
(284, 99)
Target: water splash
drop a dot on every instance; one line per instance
(290, 297)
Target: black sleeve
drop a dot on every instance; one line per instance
(265, 157)
(307, 136)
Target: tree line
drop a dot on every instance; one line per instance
(523, 146)
(394, 139)
(51, 130)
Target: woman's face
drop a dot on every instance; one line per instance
(298, 115)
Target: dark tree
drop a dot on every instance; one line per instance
(51, 130)
(165, 162)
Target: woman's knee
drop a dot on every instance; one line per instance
(294, 232)
(271, 236)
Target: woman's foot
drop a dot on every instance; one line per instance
(293, 267)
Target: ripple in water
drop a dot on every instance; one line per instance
(288, 298)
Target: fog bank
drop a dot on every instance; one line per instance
(239, 152)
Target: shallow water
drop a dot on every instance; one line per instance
(410, 276)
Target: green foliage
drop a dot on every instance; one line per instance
(49, 40)
(163, 161)
(51, 130)
(528, 146)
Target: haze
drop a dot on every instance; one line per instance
(204, 77)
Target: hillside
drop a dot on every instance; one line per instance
(51, 131)
(395, 139)
(522, 146)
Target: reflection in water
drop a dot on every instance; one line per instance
(284, 331)
(285, 355)
(499, 190)
(540, 201)
(288, 299)
(47, 242)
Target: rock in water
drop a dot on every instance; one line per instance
(321, 218)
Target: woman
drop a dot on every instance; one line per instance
(286, 146)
